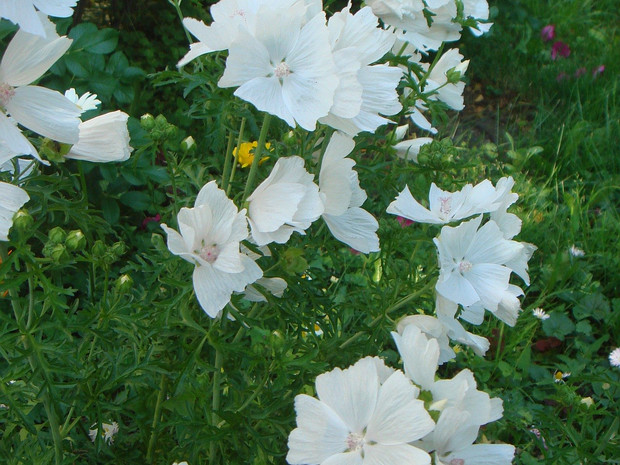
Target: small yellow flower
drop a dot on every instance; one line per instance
(246, 153)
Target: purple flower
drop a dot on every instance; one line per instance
(560, 48)
(598, 70)
(548, 33)
(404, 222)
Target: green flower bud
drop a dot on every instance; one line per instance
(147, 122)
(22, 221)
(57, 235)
(99, 249)
(123, 284)
(58, 253)
(289, 138)
(188, 144)
(171, 131)
(161, 122)
(118, 249)
(76, 241)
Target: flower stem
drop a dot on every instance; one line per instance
(156, 416)
(236, 162)
(217, 379)
(257, 154)
(227, 162)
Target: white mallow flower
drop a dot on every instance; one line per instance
(274, 286)
(86, 102)
(12, 198)
(210, 237)
(343, 198)
(365, 92)
(473, 263)
(359, 420)
(285, 202)
(286, 69)
(477, 9)
(508, 308)
(44, 111)
(103, 139)
(437, 80)
(409, 149)
(420, 355)
(23, 13)
(446, 207)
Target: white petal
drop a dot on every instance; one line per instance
(410, 149)
(12, 198)
(408, 207)
(419, 354)
(22, 14)
(265, 93)
(177, 244)
(56, 8)
(275, 206)
(103, 139)
(320, 432)
(351, 393)
(399, 417)
(485, 454)
(489, 246)
(14, 142)
(46, 112)
(490, 282)
(400, 454)
(28, 56)
(357, 228)
(346, 458)
(458, 289)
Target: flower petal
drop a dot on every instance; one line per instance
(400, 454)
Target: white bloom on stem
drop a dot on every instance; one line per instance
(420, 355)
(576, 251)
(540, 314)
(450, 93)
(109, 431)
(359, 420)
(44, 111)
(103, 139)
(473, 263)
(614, 357)
(23, 13)
(285, 202)
(12, 198)
(343, 198)
(86, 102)
(286, 69)
(210, 237)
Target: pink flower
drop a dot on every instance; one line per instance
(561, 76)
(580, 72)
(150, 219)
(598, 70)
(548, 32)
(560, 48)
(404, 222)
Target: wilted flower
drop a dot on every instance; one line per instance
(12, 198)
(548, 33)
(109, 430)
(44, 111)
(343, 198)
(560, 48)
(285, 202)
(540, 314)
(210, 237)
(614, 357)
(364, 415)
(23, 13)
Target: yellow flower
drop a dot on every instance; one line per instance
(246, 153)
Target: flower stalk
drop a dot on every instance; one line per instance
(257, 154)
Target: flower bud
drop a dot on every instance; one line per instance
(161, 122)
(58, 253)
(99, 249)
(22, 221)
(188, 144)
(123, 284)
(76, 241)
(147, 122)
(57, 235)
(171, 131)
(118, 249)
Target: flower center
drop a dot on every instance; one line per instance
(457, 462)
(6, 94)
(209, 253)
(282, 70)
(446, 205)
(465, 266)
(355, 441)
(238, 12)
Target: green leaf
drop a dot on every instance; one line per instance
(558, 325)
(110, 209)
(136, 200)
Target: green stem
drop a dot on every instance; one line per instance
(227, 162)
(257, 154)
(217, 379)
(236, 162)
(156, 417)
(433, 64)
(177, 7)
(171, 171)
(83, 183)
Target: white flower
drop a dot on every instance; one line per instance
(614, 357)
(44, 111)
(364, 91)
(109, 430)
(86, 102)
(103, 139)
(420, 355)
(23, 13)
(285, 202)
(343, 198)
(434, 329)
(540, 314)
(437, 80)
(477, 9)
(409, 149)
(285, 69)
(576, 251)
(210, 236)
(359, 420)
(473, 263)
(180, 463)
(446, 314)
(275, 286)
(12, 198)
